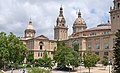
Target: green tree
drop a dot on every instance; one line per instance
(74, 59)
(117, 53)
(11, 49)
(90, 60)
(30, 57)
(39, 70)
(105, 61)
(4, 53)
(47, 62)
(66, 56)
(16, 48)
(76, 47)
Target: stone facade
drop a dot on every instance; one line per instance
(99, 40)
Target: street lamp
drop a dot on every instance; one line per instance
(80, 66)
(109, 64)
(69, 67)
(11, 67)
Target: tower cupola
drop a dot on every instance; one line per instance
(30, 31)
(79, 24)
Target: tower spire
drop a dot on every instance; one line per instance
(79, 13)
(30, 21)
(61, 11)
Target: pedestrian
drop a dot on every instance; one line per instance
(23, 71)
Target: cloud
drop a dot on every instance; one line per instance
(15, 14)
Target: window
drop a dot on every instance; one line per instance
(119, 5)
(106, 46)
(97, 46)
(52, 52)
(97, 53)
(84, 34)
(38, 54)
(62, 24)
(105, 33)
(41, 45)
(113, 17)
(89, 46)
(41, 54)
(92, 34)
(106, 53)
(76, 42)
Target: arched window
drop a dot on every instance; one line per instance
(118, 5)
(41, 45)
(76, 43)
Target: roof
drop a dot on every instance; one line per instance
(98, 28)
(42, 37)
(79, 21)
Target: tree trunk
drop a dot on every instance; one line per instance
(89, 70)
(4, 67)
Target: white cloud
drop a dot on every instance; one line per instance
(15, 14)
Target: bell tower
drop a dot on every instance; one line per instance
(30, 31)
(115, 16)
(60, 29)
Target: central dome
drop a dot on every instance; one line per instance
(79, 21)
(79, 24)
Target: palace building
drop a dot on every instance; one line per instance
(99, 40)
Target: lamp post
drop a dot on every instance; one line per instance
(69, 67)
(80, 66)
(11, 67)
(109, 64)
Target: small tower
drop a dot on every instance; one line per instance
(30, 31)
(115, 16)
(60, 30)
(79, 24)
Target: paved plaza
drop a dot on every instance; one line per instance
(99, 69)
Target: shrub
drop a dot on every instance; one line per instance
(39, 70)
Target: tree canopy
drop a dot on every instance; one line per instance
(105, 61)
(11, 49)
(45, 61)
(90, 59)
(66, 56)
(117, 53)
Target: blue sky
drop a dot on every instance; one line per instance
(15, 14)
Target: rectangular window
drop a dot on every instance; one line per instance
(106, 53)
(92, 34)
(38, 54)
(41, 54)
(89, 46)
(41, 47)
(97, 53)
(97, 46)
(84, 34)
(52, 52)
(106, 46)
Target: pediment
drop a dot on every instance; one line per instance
(42, 37)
